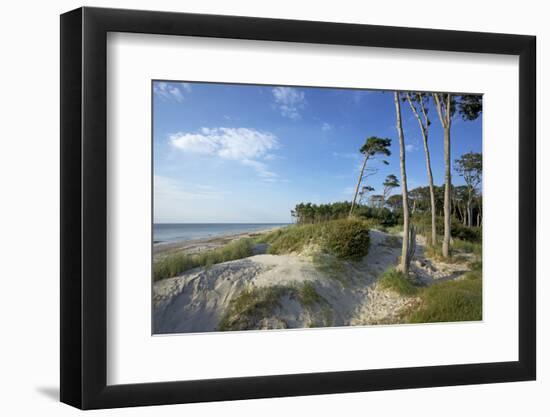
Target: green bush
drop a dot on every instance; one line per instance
(470, 234)
(382, 216)
(347, 239)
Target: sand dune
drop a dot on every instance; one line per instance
(196, 300)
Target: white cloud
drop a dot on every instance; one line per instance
(171, 90)
(237, 144)
(410, 148)
(326, 126)
(289, 101)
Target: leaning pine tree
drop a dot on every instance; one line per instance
(372, 147)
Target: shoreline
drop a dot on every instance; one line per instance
(193, 246)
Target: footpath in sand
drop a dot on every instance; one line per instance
(196, 300)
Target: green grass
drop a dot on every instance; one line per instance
(466, 246)
(344, 238)
(331, 267)
(308, 295)
(252, 305)
(396, 281)
(459, 300)
(398, 228)
(175, 264)
(458, 249)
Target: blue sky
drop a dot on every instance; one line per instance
(249, 154)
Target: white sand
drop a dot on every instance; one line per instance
(196, 300)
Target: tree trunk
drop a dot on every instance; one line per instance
(469, 208)
(405, 254)
(447, 197)
(444, 113)
(358, 185)
(432, 192)
(423, 130)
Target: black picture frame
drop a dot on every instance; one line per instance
(84, 207)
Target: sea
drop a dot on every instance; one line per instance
(178, 232)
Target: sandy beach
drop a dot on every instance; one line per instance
(205, 244)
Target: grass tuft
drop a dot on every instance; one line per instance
(331, 267)
(459, 300)
(175, 264)
(251, 305)
(395, 280)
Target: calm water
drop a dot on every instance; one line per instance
(171, 232)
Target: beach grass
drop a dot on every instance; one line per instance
(251, 305)
(344, 238)
(459, 300)
(394, 280)
(331, 267)
(175, 264)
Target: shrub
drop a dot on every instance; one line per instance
(172, 265)
(382, 216)
(470, 234)
(347, 239)
(423, 223)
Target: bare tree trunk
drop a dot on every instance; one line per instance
(358, 185)
(469, 208)
(447, 197)
(423, 130)
(445, 118)
(405, 253)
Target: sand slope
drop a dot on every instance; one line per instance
(196, 300)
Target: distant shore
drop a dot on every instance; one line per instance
(161, 249)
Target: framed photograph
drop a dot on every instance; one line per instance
(257, 208)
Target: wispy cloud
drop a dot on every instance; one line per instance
(170, 190)
(325, 127)
(247, 146)
(289, 101)
(347, 155)
(410, 148)
(171, 91)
